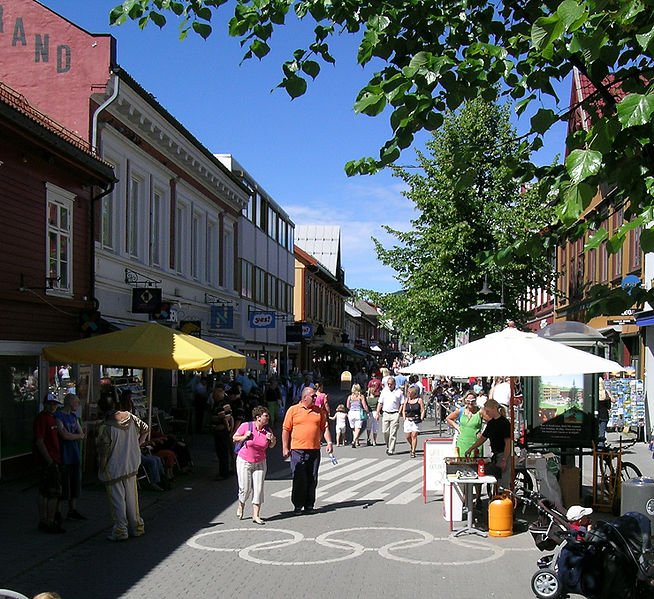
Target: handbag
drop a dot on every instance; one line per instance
(240, 444)
(363, 415)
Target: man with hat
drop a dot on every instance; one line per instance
(48, 455)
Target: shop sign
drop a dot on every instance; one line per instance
(222, 317)
(191, 327)
(293, 333)
(145, 300)
(260, 319)
(307, 330)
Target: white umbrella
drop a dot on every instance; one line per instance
(512, 353)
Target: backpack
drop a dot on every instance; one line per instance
(238, 446)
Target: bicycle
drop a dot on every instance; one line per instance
(609, 472)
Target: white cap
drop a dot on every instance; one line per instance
(576, 511)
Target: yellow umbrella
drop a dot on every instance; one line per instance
(149, 346)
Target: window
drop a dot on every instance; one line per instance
(616, 259)
(212, 253)
(246, 279)
(270, 290)
(248, 211)
(60, 238)
(260, 286)
(132, 224)
(228, 265)
(281, 237)
(108, 216)
(156, 207)
(290, 239)
(196, 244)
(634, 249)
(258, 211)
(181, 237)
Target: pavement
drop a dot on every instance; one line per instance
(374, 535)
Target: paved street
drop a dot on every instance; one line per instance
(374, 536)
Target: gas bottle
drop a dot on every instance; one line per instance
(500, 517)
(481, 467)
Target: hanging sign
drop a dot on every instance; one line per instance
(145, 300)
(261, 319)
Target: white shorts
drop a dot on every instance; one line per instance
(341, 429)
(354, 420)
(410, 426)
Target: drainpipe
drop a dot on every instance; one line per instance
(96, 114)
(105, 192)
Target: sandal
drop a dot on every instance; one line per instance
(239, 512)
(258, 521)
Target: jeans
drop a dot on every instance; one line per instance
(304, 466)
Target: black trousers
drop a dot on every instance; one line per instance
(223, 446)
(304, 466)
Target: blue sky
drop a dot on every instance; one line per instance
(295, 149)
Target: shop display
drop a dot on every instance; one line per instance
(628, 407)
(139, 396)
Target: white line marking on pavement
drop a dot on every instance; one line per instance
(407, 496)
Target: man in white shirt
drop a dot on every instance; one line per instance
(390, 402)
(501, 391)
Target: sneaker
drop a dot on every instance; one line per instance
(115, 538)
(310, 510)
(75, 515)
(297, 511)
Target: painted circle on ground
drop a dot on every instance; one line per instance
(195, 543)
(419, 538)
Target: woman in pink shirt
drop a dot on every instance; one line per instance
(255, 438)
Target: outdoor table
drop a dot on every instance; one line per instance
(465, 485)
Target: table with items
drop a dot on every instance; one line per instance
(465, 484)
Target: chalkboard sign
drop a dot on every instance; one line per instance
(433, 466)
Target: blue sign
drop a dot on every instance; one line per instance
(260, 319)
(222, 317)
(630, 282)
(307, 330)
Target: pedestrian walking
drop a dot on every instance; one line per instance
(255, 438)
(303, 426)
(390, 402)
(71, 435)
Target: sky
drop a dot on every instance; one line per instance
(296, 150)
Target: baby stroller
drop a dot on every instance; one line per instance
(614, 559)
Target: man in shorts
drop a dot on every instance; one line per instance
(48, 455)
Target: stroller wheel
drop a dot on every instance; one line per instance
(546, 585)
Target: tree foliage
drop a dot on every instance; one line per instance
(432, 57)
(469, 206)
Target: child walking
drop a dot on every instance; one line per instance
(340, 417)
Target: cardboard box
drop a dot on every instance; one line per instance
(570, 483)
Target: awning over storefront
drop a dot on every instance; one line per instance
(348, 351)
(645, 319)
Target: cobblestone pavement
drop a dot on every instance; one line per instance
(374, 536)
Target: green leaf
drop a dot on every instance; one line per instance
(645, 40)
(582, 164)
(572, 14)
(311, 68)
(158, 19)
(371, 101)
(545, 30)
(259, 48)
(647, 240)
(543, 120)
(635, 109)
(202, 29)
(295, 86)
(596, 240)
(576, 198)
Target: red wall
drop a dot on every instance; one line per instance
(52, 62)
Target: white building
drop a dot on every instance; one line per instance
(265, 270)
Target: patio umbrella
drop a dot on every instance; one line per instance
(512, 353)
(150, 345)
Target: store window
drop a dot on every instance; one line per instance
(19, 403)
(60, 238)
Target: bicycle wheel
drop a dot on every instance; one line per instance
(629, 471)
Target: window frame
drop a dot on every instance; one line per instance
(62, 199)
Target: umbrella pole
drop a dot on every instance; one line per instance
(512, 421)
(150, 381)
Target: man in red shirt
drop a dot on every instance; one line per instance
(303, 426)
(48, 455)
